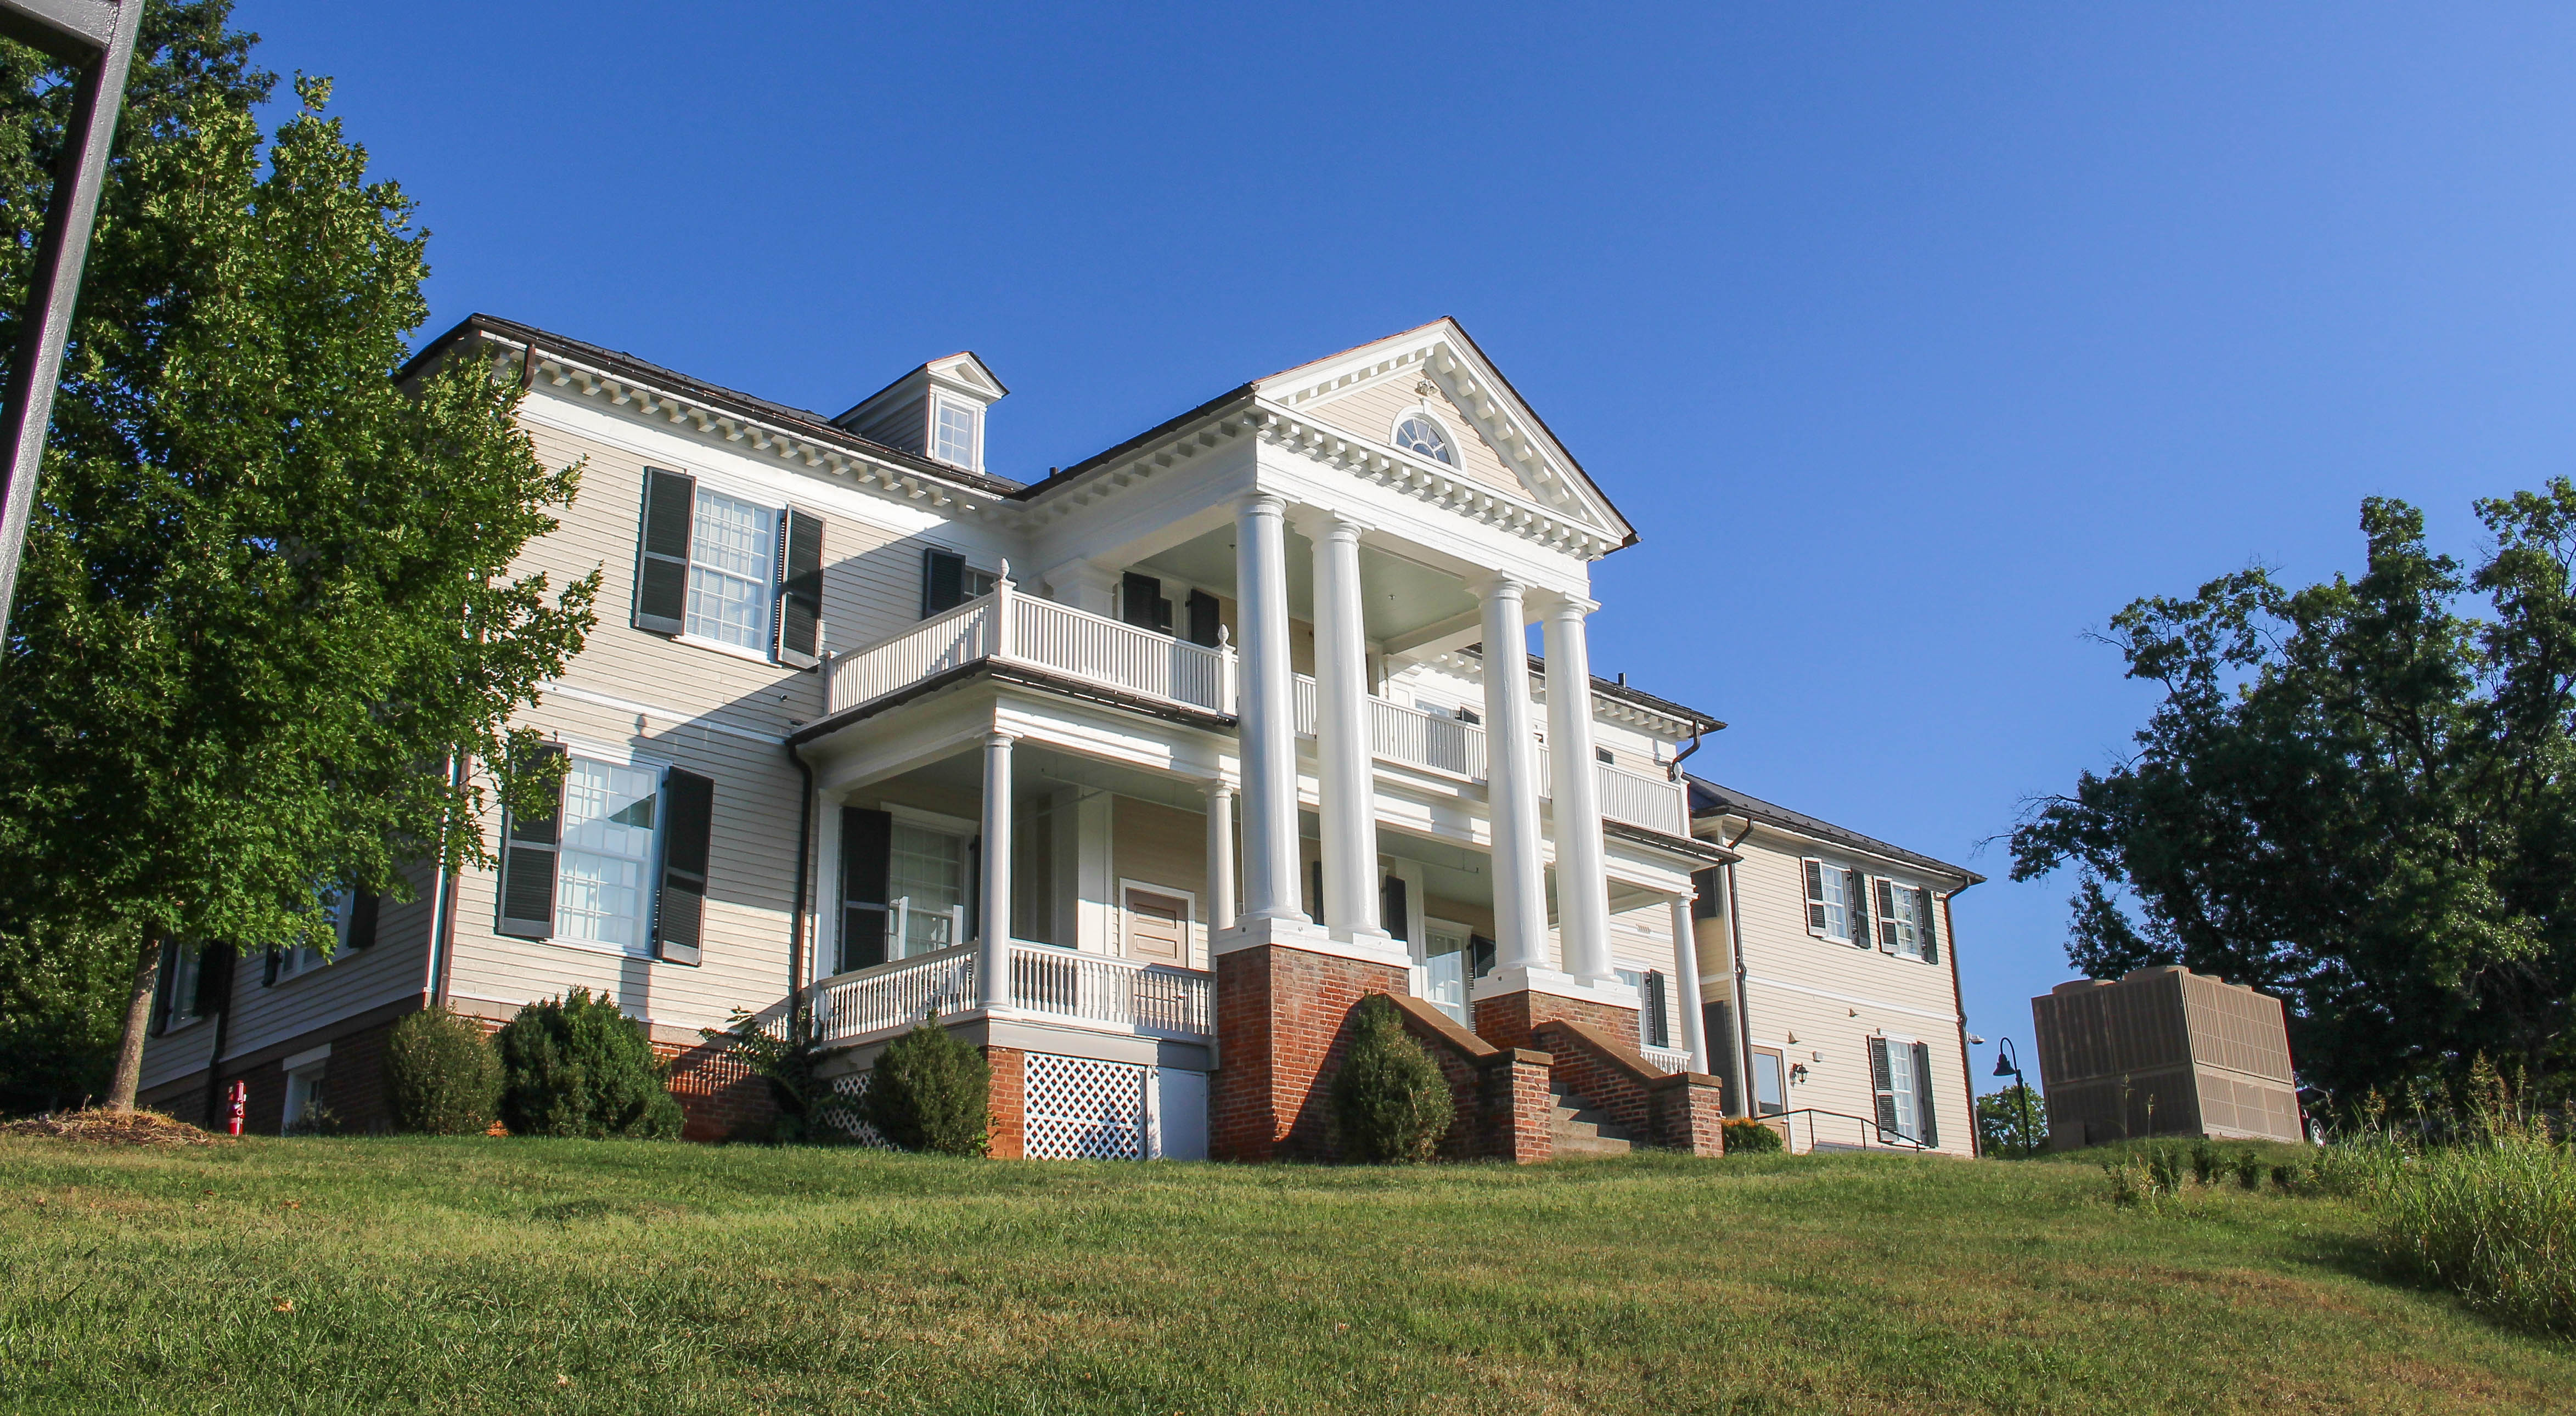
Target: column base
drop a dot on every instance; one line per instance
(1509, 1004)
(1285, 991)
(1373, 947)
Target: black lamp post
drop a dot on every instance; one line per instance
(2007, 1064)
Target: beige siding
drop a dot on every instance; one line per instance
(1151, 843)
(1371, 412)
(1833, 996)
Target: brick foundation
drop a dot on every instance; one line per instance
(1283, 1023)
(1500, 1093)
(1006, 1105)
(721, 1098)
(1512, 1019)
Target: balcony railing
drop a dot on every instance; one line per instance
(1671, 1059)
(1087, 990)
(1011, 627)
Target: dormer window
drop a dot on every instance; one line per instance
(1420, 434)
(953, 440)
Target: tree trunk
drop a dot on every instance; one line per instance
(138, 1022)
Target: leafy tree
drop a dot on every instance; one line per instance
(266, 622)
(2354, 796)
(61, 997)
(2000, 1126)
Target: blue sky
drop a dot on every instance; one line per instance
(1916, 340)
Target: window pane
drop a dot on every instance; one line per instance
(1769, 1095)
(956, 434)
(729, 555)
(1900, 1080)
(602, 893)
(1837, 884)
(927, 870)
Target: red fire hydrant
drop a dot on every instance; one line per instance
(233, 1112)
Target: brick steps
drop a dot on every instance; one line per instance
(1578, 1129)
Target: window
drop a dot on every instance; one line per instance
(953, 433)
(978, 583)
(926, 879)
(1449, 958)
(1704, 893)
(730, 559)
(1830, 892)
(1654, 1029)
(1900, 1072)
(604, 875)
(303, 1098)
(1904, 920)
(187, 969)
(1420, 433)
(1602, 755)
(1770, 1082)
(947, 581)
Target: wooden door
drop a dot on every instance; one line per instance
(1158, 927)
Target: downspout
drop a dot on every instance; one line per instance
(1959, 1005)
(804, 866)
(1743, 1024)
(223, 1026)
(442, 905)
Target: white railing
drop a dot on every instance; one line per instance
(1301, 689)
(1424, 739)
(1118, 994)
(1671, 1059)
(895, 995)
(1019, 628)
(1092, 990)
(1656, 803)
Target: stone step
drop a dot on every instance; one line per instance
(1576, 1128)
(1591, 1146)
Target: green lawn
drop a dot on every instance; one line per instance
(516, 1275)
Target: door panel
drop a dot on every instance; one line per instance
(1158, 927)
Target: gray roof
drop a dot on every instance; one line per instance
(1707, 798)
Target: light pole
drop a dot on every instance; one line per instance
(2008, 1064)
(97, 35)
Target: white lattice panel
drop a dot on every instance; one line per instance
(1079, 1108)
(845, 1118)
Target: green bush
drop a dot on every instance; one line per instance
(1749, 1137)
(576, 1066)
(442, 1077)
(930, 1092)
(786, 1058)
(1390, 1103)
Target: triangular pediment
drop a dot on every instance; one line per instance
(1436, 372)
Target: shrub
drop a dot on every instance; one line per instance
(930, 1092)
(1748, 1137)
(809, 1109)
(576, 1066)
(315, 1120)
(2204, 1162)
(442, 1077)
(2249, 1170)
(1390, 1103)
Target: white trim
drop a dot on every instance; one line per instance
(1854, 999)
(1457, 455)
(700, 641)
(306, 1058)
(674, 715)
(931, 820)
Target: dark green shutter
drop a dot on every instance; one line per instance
(1931, 933)
(1480, 956)
(1884, 899)
(867, 843)
(214, 979)
(1145, 606)
(662, 559)
(1882, 1085)
(164, 984)
(268, 969)
(1704, 893)
(1315, 890)
(529, 846)
(943, 581)
(1815, 896)
(688, 829)
(1856, 890)
(800, 588)
(1205, 622)
(1923, 1094)
(362, 921)
(1657, 1030)
(1395, 909)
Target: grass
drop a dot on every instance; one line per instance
(471, 1275)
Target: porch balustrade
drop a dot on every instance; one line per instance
(1089, 990)
(1012, 627)
(1671, 1059)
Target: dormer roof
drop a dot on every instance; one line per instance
(900, 414)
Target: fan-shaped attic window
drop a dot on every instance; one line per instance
(1417, 433)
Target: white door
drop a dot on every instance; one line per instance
(1180, 1114)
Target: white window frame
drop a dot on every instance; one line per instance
(1826, 870)
(297, 960)
(764, 501)
(1908, 927)
(898, 908)
(940, 402)
(652, 883)
(303, 1084)
(1448, 436)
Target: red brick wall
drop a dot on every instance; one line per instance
(1613, 1089)
(1521, 1109)
(1689, 1113)
(1007, 1104)
(353, 1082)
(1510, 1019)
(1282, 1025)
(721, 1098)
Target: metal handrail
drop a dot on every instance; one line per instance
(1891, 1140)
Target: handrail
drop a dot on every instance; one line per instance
(1899, 1141)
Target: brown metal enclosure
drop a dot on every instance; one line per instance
(2164, 1051)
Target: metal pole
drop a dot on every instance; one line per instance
(98, 34)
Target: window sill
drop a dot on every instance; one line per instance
(611, 951)
(731, 651)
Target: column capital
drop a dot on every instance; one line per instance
(1321, 524)
(1260, 504)
(1215, 787)
(1498, 585)
(1564, 604)
(1000, 737)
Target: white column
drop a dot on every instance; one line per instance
(1582, 871)
(1345, 765)
(1220, 857)
(1686, 973)
(1511, 782)
(993, 959)
(1266, 713)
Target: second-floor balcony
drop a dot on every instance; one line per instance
(1010, 627)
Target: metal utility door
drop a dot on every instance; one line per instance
(1158, 927)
